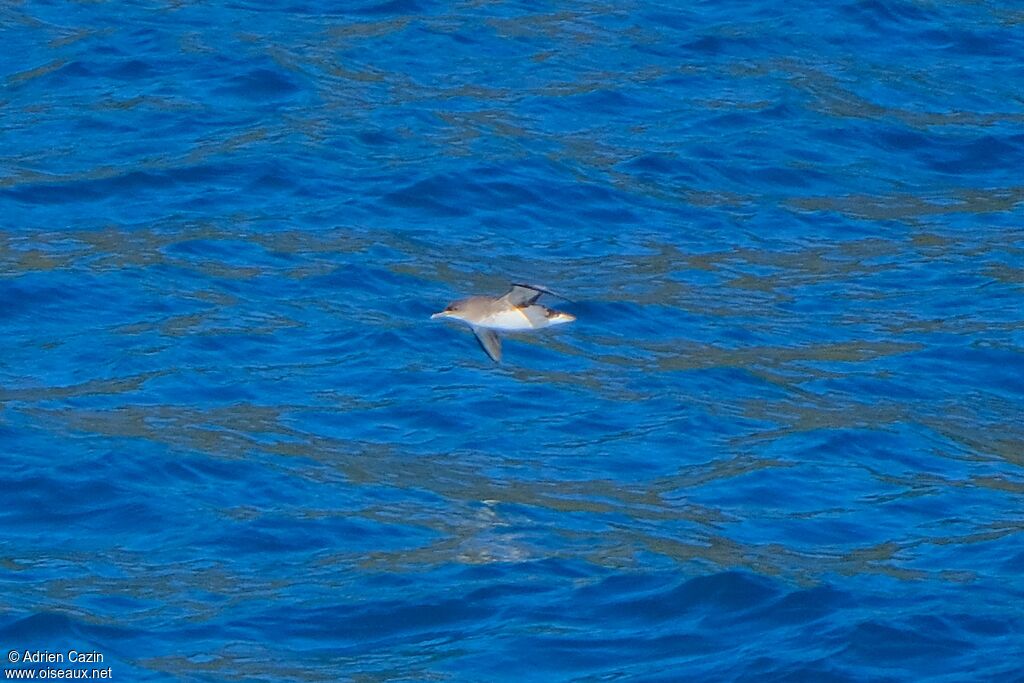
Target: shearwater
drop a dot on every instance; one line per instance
(515, 311)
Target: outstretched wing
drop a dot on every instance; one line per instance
(524, 295)
(490, 341)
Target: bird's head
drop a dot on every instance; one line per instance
(455, 310)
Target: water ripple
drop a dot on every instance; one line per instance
(782, 441)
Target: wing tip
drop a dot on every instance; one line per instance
(541, 289)
(490, 342)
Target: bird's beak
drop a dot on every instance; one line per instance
(442, 314)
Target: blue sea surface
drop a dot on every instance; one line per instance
(783, 441)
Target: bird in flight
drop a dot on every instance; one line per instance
(515, 311)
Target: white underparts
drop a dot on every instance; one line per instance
(526, 318)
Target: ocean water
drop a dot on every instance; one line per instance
(784, 440)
